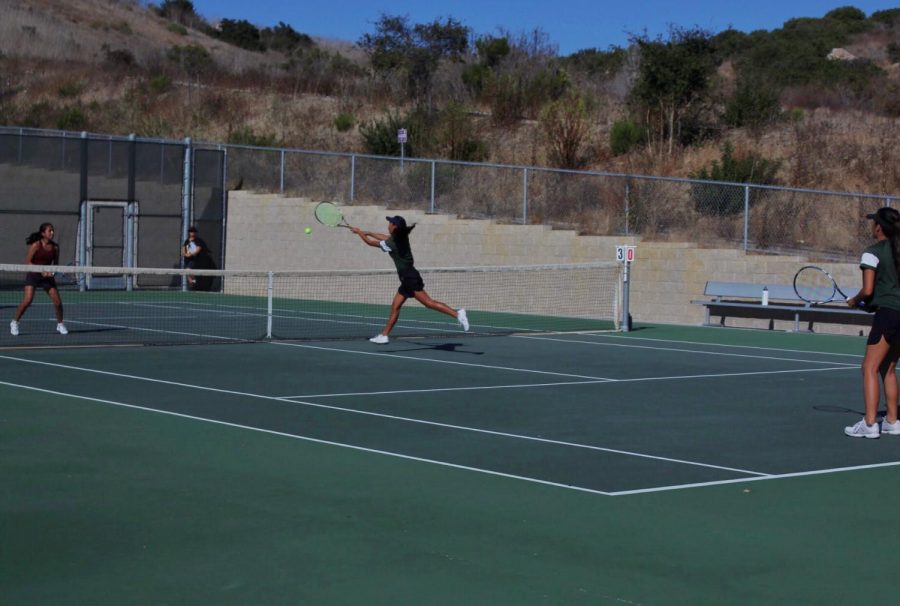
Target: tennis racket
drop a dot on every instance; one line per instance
(330, 215)
(815, 285)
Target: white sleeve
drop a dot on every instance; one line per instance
(384, 246)
(868, 260)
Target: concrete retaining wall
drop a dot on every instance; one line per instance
(265, 232)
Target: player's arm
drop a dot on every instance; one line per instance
(29, 256)
(867, 290)
(370, 238)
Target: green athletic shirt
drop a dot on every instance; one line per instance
(887, 286)
(404, 262)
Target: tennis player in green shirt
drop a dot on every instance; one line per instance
(396, 244)
(880, 290)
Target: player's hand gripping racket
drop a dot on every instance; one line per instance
(330, 215)
(815, 285)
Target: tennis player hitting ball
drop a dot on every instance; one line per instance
(396, 244)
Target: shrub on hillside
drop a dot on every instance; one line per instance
(715, 200)
(893, 52)
(625, 135)
(245, 135)
(380, 136)
(343, 122)
(754, 105)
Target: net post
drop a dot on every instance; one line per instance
(626, 295)
(270, 289)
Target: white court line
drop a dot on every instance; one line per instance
(168, 332)
(679, 350)
(564, 383)
(386, 416)
(432, 360)
(307, 439)
(453, 465)
(612, 336)
(798, 474)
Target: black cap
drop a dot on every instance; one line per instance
(885, 216)
(397, 221)
(192, 229)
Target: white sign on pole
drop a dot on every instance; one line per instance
(624, 253)
(401, 135)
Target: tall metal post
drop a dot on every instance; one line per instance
(187, 186)
(432, 186)
(746, 218)
(525, 196)
(626, 296)
(352, 177)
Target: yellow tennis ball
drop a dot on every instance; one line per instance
(308, 230)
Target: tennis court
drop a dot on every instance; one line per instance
(667, 465)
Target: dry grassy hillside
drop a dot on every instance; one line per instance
(103, 66)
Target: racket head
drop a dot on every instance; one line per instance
(328, 214)
(815, 285)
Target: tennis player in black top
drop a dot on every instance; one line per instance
(396, 244)
(880, 290)
(42, 250)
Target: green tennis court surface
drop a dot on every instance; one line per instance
(664, 466)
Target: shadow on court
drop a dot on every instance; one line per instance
(451, 347)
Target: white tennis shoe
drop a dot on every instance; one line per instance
(14, 328)
(891, 428)
(380, 339)
(862, 430)
(463, 319)
(61, 329)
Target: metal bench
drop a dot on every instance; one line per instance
(744, 299)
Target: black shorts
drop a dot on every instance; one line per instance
(885, 324)
(410, 283)
(39, 281)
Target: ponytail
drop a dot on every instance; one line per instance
(889, 220)
(36, 236)
(401, 238)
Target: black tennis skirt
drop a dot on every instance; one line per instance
(410, 283)
(885, 324)
(39, 281)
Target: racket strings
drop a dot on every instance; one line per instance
(328, 214)
(814, 285)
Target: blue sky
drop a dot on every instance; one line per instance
(570, 24)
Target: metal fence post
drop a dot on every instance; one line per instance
(281, 184)
(746, 218)
(352, 177)
(432, 186)
(627, 205)
(525, 196)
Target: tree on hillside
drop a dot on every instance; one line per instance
(565, 126)
(240, 33)
(413, 52)
(674, 77)
(182, 12)
(284, 38)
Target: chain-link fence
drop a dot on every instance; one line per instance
(90, 184)
(114, 201)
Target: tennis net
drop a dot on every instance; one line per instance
(107, 306)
